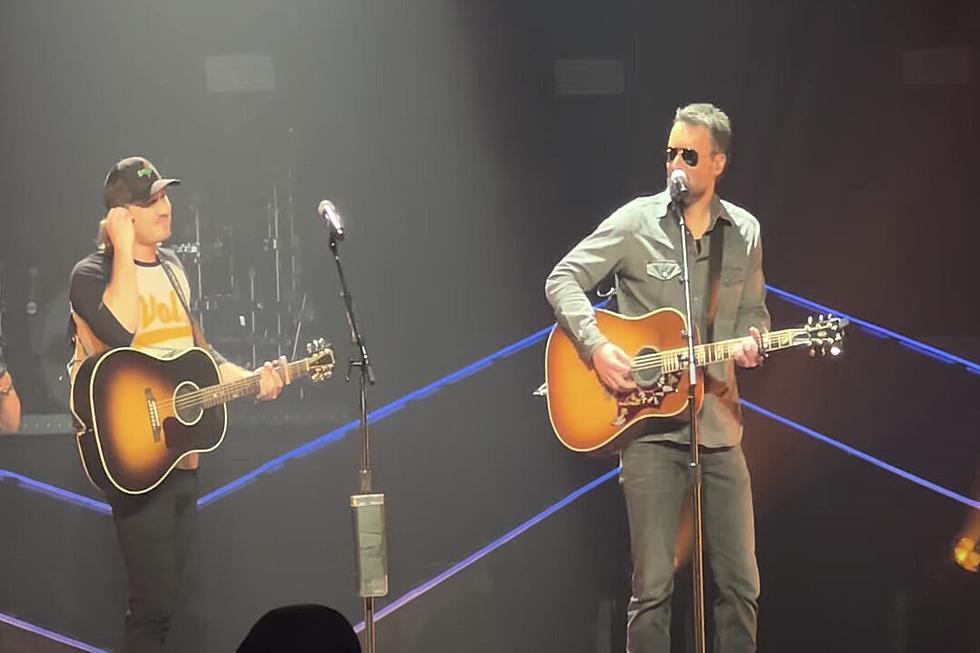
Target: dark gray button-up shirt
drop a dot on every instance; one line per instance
(639, 245)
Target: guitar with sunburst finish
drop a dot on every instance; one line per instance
(586, 416)
(139, 415)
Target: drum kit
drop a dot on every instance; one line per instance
(246, 285)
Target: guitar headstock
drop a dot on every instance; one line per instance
(319, 360)
(823, 335)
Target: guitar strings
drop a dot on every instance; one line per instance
(648, 361)
(643, 362)
(189, 399)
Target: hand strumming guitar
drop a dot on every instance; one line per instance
(613, 367)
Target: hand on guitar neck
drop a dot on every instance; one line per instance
(748, 353)
(271, 379)
(614, 366)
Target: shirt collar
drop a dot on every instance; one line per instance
(718, 209)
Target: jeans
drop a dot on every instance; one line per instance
(656, 479)
(154, 532)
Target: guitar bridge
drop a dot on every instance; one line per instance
(151, 406)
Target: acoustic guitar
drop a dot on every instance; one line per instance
(586, 416)
(139, 415)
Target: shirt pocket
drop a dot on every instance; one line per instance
(663, 270)
(658, 289)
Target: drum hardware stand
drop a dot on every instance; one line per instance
(294, 270)
(200, 267)
(252, 305)
(293, 241)
(272, 244)
(229, 233)
(299, 325)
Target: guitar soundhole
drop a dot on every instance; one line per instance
(649, 372)
(187, 410)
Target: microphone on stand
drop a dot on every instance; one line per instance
(368, 506)
(329, 212)
(678, 185)
(335, 221)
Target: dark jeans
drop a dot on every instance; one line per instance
(656, 480)
(154, 531)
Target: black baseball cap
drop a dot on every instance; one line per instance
(134, 180)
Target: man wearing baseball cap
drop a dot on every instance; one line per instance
(131, 292)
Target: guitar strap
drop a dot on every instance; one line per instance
(195, 327)
(86, 344)
(717, 243)
(199, 340)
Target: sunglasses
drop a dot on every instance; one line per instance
(690, 156)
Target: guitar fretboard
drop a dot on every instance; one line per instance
(224, 392)
(673, 360)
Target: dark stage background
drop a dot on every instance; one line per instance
(439, 130)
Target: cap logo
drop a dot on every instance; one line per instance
(144, 172)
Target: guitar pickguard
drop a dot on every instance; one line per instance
(651, 396)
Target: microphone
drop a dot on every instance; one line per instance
(678, 185)
(328, 212)
(31, 291)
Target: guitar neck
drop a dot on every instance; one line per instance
(224, 392)
(718, 352)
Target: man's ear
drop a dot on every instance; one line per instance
(719, 162)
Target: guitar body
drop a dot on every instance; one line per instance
(134, 433)
(584, 414)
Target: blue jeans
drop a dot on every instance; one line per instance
(656, 479)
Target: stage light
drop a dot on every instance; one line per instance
(966, 554)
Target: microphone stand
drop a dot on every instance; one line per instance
(697, 557)
(362, 362)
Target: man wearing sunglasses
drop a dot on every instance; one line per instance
(639, 246)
